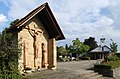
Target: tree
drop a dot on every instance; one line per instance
(84, 48)
(113, 46)
(61, 51)
(91, 43)
(70, 49)
(13, 23)
(9, 55)
(78, 47)
(66, 46)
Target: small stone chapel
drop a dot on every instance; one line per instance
(38, 32)
(100, 52)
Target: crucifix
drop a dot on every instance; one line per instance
(35, 33)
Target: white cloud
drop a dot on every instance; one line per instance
(3, 18)
(78, 18)
(114, 13)
(18, 8)
(105, 21)
(83, 19)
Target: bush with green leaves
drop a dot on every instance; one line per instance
(108, 65)
(101, 66)
(9, 55)
(85, 58)
(112, 58)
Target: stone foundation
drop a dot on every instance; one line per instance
(109, 72)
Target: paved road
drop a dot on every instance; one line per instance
(77, 66)
(65, 70)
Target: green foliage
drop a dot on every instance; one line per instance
(112, 58)
(108, 65)
(88, 58)
(91, 43)
(79, 47)
(117, 54)
(113, 46)
(70, 49)
(85, 58)
(13, 22)
(101, 66)
(76, 46)
(112, 64)
(84, 48)
(61, 51)
(9, 54)
(66, 47)
(6, 74)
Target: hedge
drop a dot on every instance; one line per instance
(108, 65)
(10, 75)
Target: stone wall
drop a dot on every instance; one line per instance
(28, 40)
(52, 54)
(109, 72)
(116, 72)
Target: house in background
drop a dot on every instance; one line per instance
(38, 32)
(100, 52)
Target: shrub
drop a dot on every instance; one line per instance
(101, 66)
(9, 54)
(6, 74)
(112, 58)
(108, 65)
(85, 58)
(88, 58)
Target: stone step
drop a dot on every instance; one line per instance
(96, 76)
(87, 72)
(92, 75)
(101, 77)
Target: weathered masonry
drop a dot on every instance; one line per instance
(38, 32)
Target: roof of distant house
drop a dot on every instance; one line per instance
(102, 49)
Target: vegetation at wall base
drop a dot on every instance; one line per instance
(101, 66)
(9, 55)
(112, 58)
(84, 58)
(108, 65)
(6, 74)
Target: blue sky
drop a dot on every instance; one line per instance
(78, 18)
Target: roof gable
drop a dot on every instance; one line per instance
(99, 49)
(46, 16)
